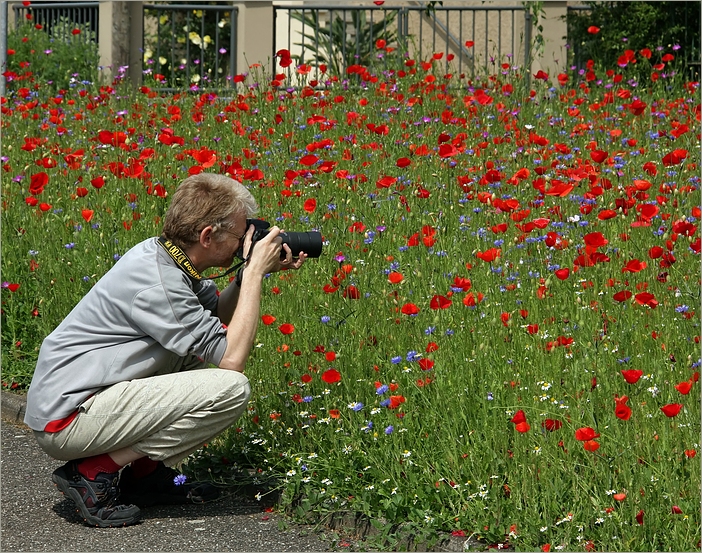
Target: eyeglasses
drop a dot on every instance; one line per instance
(237, 236)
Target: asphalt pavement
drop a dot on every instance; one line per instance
(35, 516)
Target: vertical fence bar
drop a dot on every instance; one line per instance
(217, 47)
(499, 34)
(472, 65)
(460, 42)
(447, 40)
(233, 53)
(527, 46)
(202, 42)
(173, 66)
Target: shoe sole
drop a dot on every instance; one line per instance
(63, 486)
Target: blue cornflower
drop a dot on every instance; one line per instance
(180, 480)
(355, 405)
(380, 390)
(325, 319)
(385, 402)
(307, 399)
(389, 430)
(70, 246)
(395, 360)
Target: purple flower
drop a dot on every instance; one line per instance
(389, 430)
(180, 480)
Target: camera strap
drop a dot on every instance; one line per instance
(184, 263)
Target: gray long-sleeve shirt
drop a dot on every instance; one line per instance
(143, 317)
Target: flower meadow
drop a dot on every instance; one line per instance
(501, 338)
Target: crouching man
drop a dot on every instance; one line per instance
(122, 388)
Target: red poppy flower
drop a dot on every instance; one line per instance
(385, 182)
(409, 309)
(395, 277)
(675, 157)
(672, 409)
(268, 319)
(619, 496)
(306, 378)
(330, 376)
(593, 30)
(684, 387)
(647, 299)
(533, 328)
(518, 417)
(591, 445)
(431, 346)
(595, 240)
(37, 183)
(440, 302)
(622, 410)
(334, 413)
(622, 296)
(634, 266)
(395, 401)
(522, 427)
(403, 162)
(310, 205)
(632, 375)
(676, 510)
(489, 255)
(551, 424)
(330, 356)
(585, 433)
(562, 274)
(98, 182)
(286, 328)
(87, 214)
(598, 156)
(309, 160)
(351, 292)
(640, 517)
(13, 287)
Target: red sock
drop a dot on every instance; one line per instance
(92, 466)
(143, 467)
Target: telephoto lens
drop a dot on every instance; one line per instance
(309, 242)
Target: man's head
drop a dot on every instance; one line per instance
(205, 200)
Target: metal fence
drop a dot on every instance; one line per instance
(60, 18)
(188, 45)
(470, 39)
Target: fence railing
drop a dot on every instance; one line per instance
(470, 38)
(59, 18)
(190, 45)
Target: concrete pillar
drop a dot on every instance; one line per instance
(254, 34)
(120, 40)
(553, 58)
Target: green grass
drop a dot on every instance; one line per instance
(443, 455)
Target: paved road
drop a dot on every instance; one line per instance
(36, 517)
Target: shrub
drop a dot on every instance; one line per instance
(65, 55)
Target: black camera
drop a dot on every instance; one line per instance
(308, 242)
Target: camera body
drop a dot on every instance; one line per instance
(308, 242)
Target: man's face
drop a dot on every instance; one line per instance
(225, 246)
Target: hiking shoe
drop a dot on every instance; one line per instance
(164, 486)
(97, 500)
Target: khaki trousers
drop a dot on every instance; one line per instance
(165, 417)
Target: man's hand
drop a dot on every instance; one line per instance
(266, 258)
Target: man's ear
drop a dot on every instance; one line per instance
(206, 236)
